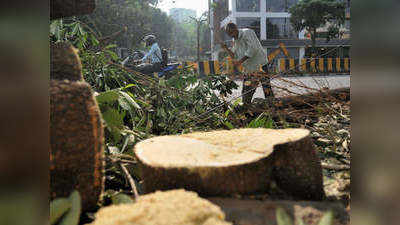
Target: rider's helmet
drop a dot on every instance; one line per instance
(149, 39)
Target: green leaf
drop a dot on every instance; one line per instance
(75, 29)
(110, 46)
(327, 219)
(229, 125)
(112, 54)
(237, 101)
(129, 99)
(94, 40)
(81, 31)
(114, 122)
(113, 118)
(282, 217)
(57, 32)
(252, 124)
(58, 207)
(53, 26)
(128, 86)
(73, 215)
(116, 134)
(300, 221)
(108, 96)
(121, 198)
(269, 123)
(227, 112)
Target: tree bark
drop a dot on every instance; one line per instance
(65, 62)
(313, 42)
(76, 142)
(198, 41)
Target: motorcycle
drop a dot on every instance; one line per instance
(132, 62)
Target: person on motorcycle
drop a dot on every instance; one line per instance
(154, 54)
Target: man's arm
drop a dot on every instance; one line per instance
(231, 54)
(223, 45)
(152, 49)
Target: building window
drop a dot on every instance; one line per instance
(279, 5)
(252, 23)
(280, 28)
(248, 5)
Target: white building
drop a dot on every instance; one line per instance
(270, 20)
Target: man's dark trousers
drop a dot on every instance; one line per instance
(252, 82)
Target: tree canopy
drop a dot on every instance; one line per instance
(138, 16)
(313, 14)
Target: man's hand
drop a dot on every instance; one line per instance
(224, 46)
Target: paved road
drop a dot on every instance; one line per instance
(292, 84)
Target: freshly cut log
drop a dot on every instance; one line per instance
(227, 162)
(66, 8)
(76, 142)
(177, 207)
(65, 62)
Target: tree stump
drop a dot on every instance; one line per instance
(65, 62)
(240, 161)
(76, 142)
(177, 207)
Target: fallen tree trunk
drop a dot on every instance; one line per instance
(66, 8)
(241, 161)
(310, 99)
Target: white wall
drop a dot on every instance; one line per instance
(263, 15)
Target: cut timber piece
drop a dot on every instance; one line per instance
(255, 212)
(175, 207)
(76, 142)
(65, 62)
(67, 8)
(240, 161)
